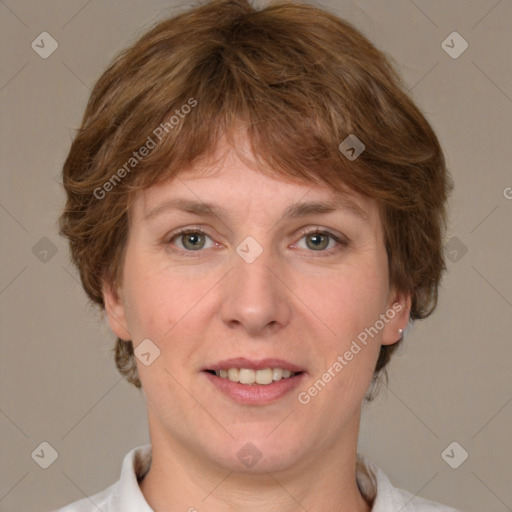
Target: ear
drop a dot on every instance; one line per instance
(115, 311)
(397, 315)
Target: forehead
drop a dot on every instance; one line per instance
(228, 184)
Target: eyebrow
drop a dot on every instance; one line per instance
(296, 210)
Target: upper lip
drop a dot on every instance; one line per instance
(254, 364)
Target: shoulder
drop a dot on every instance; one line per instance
(125, 494)
(94, 503)
(416, 504)
(376, 487)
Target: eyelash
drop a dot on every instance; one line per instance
(341, 241)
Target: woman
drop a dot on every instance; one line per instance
(259, 208)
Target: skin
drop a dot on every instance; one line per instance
(295, 302)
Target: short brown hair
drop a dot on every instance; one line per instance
(300, 80)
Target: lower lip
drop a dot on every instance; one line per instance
(255, 394)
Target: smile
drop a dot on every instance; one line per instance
(251, 382)
(248, 376)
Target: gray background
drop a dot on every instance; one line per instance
(450, 382)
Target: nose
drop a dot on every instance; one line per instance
(255, 297)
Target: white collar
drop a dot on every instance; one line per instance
(126, 496)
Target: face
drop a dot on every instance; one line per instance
(229, 273)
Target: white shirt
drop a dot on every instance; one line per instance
(126, 496)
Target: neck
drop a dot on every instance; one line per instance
(181, 479)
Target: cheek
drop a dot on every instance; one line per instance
(142, 306)
(158, 296)
(346, 302)
(349, 307)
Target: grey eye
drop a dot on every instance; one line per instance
(191, 240)
(317, 241)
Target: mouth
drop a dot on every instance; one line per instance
(250, 377)
(255, 382)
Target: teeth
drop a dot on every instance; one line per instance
(263, 376)
(233, 374)
(277, 373)
(248, 376)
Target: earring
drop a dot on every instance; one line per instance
(401, 333)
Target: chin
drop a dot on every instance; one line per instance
(258, 454)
